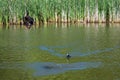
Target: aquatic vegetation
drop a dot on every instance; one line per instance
(12, 11)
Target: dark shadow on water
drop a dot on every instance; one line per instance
(50, 68)
(76, 54)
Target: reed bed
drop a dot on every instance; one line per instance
(12, 11)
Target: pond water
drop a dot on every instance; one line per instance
(39, 53)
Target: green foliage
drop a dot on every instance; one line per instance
(75, 8)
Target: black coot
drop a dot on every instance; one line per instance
(68, 56)
(27, 20)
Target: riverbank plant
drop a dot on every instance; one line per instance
(12, 11)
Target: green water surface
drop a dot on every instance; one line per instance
(39, 53)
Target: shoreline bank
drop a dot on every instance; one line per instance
(66, 22)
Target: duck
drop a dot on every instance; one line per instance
(28, 20)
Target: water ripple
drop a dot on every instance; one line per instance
(50, 68)
(77, 54)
